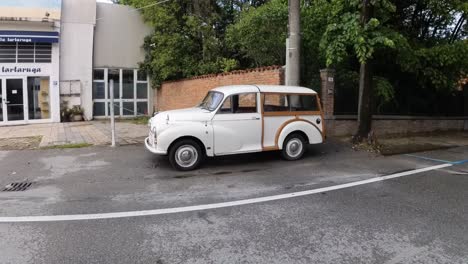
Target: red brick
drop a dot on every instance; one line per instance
(189, 92)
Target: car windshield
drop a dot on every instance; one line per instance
(211, 101)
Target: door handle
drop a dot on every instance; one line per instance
(7, 102)
(255, 118)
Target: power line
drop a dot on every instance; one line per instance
(153, 4)
(143, 7)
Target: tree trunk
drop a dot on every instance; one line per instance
(460, 22)
(365, 85)
(365, 101)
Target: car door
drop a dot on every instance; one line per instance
(237, 125)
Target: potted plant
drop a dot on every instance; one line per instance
(76, 113)
(66, 114)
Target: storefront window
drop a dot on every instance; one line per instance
(127, 88)
(99, 108)
(115, 76)
(142, 76)
(1, 99)
(99, 90)
(98, 75)
(116, 108)
(25, 52)
(142, 90)
(38, 98)
(128, 108)
(43, 52)
(142, 108)
(7, 52)
(130, 92)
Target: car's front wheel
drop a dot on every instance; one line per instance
(294, 147)
(185, 155)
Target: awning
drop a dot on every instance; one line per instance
(29, 36)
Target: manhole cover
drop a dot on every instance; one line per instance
(17, 187)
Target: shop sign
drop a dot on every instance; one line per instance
(25, 69)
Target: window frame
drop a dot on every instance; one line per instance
(291, 113)
(41, 57)
(120, 101)
(230, 96)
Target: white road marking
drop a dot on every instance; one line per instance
(75, 217)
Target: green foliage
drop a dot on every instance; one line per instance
(440, 66)
(413, 43)
(260, 34)
(187, 39)
(384, 92)
(345, 31)
(416, 46)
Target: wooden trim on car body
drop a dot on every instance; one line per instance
(291, 113)
(262, 116)
(294, 114)
(324, 135)
(280, 129)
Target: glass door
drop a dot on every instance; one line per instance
(13, 99)
(2, 118)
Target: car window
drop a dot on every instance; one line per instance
(289, 103)
(211, 100)
(275, 103)
(239, 104)
(303, 103)
(226, 108)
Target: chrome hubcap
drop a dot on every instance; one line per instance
(186, 156)
(294, 147)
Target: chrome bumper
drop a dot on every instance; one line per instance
(153, 147)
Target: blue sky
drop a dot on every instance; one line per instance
(32, 3)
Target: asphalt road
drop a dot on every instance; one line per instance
(418, 218)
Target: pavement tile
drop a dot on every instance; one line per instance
(91, 132)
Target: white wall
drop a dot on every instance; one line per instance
(119, 37)
(29, 26)
(76, 47)
(54, 84)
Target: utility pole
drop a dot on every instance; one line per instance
(111, 108)
(293, 44)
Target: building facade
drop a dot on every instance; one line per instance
(59, 54)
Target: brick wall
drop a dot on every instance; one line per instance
(189, 92)
(401, 125)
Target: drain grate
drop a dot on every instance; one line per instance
(17, 187)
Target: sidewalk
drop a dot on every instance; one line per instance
(78, 133)
(423, 142)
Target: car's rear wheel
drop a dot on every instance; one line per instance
(294, 147)
(185, 155)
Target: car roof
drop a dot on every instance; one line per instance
(235, 89)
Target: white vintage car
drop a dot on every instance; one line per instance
(239, 119)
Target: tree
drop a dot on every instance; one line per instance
(354, 27)
(189, 36)
(259, 34)
(413, 50)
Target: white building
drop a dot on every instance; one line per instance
(64, 54)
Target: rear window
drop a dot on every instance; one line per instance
(289, 103)
(275, 103)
